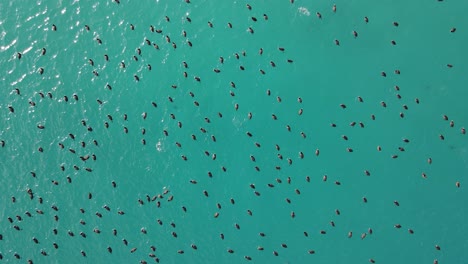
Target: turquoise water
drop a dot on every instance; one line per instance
(322, 74)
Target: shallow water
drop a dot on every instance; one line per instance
(322, 74)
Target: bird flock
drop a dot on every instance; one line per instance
(152, 158)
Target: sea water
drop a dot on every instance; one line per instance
(228, 167)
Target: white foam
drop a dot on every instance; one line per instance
(304, 11)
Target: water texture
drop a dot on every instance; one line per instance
(233, 131)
